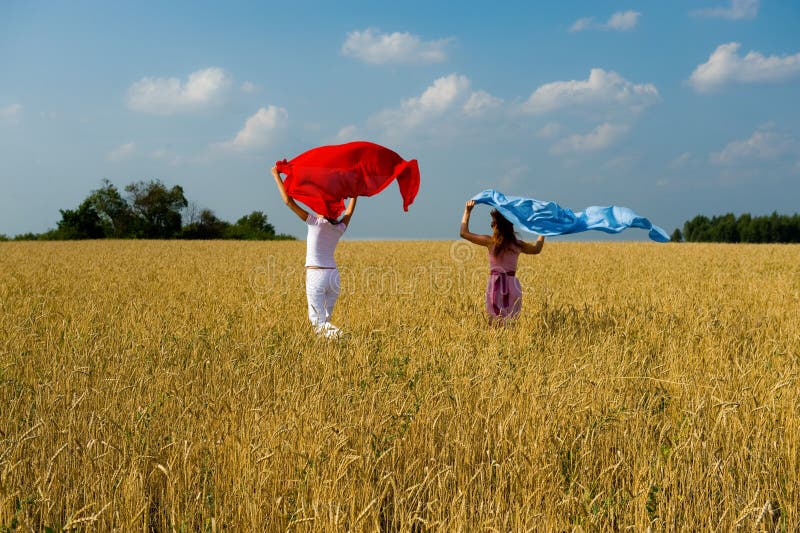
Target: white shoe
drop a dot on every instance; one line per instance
(328, 330)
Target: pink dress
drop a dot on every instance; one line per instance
(503, 292)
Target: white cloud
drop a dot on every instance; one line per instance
(549, 130)
(167, 96)
(725, 66)
(581, 24)
(624, 20)
(249, 87)
(371, 46)
(681, 160)
(480, 102)
(598, 139)
(259, 131)
(173, 159)
(437, 99)
(606, 103)
(511, 175)
(601, 89)
(620, 163)
(122, 152)
(347, 134)
(738, 9)
(764, 144)
(619, 21)
(445, 110)
(11, 113)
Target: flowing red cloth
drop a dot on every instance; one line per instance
(323, 177)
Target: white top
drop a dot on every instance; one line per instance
(322, 240)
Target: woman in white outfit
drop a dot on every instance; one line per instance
(322, 275)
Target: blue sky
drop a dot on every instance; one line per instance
(670, 108)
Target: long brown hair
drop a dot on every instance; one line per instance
(503, 236)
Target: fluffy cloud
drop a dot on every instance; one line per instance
(249, 87)
(347, 134)
(122, 152)
(598, 139)
(620, 21)
(764, 144)
(446, 108)
(583, 24)
(738, 9)
(681, 161)
(549, 130)
(371, 46)
(167, 96)
(480, 102)
(726, 66)
(441, 96)
(512, 173)
(10, 113)
(259, 131)
(603, 89)
(623, 21)
(605, 101)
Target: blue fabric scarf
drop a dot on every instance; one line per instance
(549, 218)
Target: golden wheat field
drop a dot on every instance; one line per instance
(176, 386)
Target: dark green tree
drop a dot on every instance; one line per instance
(697, 229)
(116, 215)
(726, 228)
(207, 226)
(252, 227)
(80, 223)
(152, 211)
(761, 230)
(744, 225)
(30, 236)
(746, 228)
(156, 209)
(676, 236)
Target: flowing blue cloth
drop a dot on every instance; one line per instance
(549, 218)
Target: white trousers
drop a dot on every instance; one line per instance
(322, 290)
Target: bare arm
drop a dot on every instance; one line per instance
(535, 248)
(288, 200)
(348, 213)
(482, 240)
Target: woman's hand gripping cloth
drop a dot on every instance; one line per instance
(323, 177)
(549, 218)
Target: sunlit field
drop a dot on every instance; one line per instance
(177, 386)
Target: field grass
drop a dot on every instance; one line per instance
(176, 386)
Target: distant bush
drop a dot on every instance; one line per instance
(253, 227)
(149, 211)
(774, 228)
(32, 236)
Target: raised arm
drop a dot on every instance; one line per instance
(288, 200)
(482, 240)
(348, 213)
(533, 248)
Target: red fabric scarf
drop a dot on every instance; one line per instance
(323, 177)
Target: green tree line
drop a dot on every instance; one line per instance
(773, 228)
(150, 210)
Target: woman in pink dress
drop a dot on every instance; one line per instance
(503, 292)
